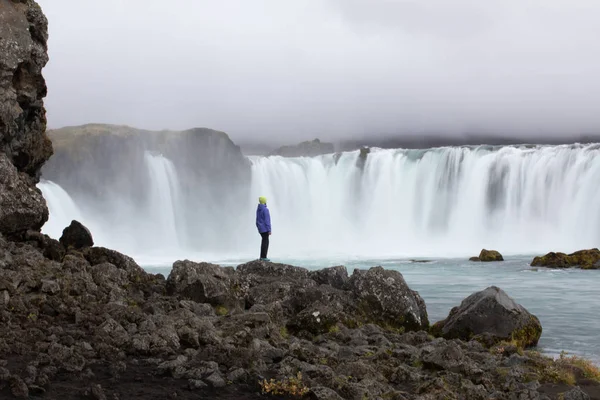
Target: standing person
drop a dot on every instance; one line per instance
(263, 223)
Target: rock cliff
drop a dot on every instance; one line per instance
(97, 157)
(305, 149)
(24, 145)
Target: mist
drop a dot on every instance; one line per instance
(280, 71)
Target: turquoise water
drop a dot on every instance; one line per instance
(565, 301)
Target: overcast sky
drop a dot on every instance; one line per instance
(326, 68)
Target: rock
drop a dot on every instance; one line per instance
(204, 283)
(584, 259)
(23, 139)
(323, 393)
(305, 149)
(18, 388)
(51, 248)
(22, 206)
(488, 256)
(98, 392)
(216, 380)
(76, 236)
(315, 319)
(334, 276)
(492, 315)
(362, 157)
(575, 394)
(50, 287)
(385, 298)
(195, 384)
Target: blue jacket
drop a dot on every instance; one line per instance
(263, 219)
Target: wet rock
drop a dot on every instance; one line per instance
(488, 256)
(76, 236)
(492, 315)
(385, 298)
(584, 259)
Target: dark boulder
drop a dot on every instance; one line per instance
(488, 256)
(490, 315)
(384, 298)
(76, 236)
(316, 319)
(205, 283)
(584, 259)
(334, 276)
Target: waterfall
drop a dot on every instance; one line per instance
(449, 201)
(61, 207)
(164, 201)
(441, 202)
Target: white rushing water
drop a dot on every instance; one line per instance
(440, 202)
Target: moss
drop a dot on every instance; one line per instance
(529, 335)
(334, 329)
(221, 311)
(284, 332)
(585, 259)
(490, 256)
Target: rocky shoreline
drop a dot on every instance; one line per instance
(88, 322)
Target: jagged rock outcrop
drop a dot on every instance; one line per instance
(68, 327)
(311, 148)
(488, 256)
(24, 145)
(22, 206)
(490, 316)
(584, 259)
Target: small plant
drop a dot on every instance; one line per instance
(221, 311)
(290, 386)
(284, 332)
(334, 329)
(588, 369)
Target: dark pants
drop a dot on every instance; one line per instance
(264, 246)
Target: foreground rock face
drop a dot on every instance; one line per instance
(69, 327)
(584, 259)
(22, 206)
(488, 256)
(23, 141)
(306, 149)
(491, 316)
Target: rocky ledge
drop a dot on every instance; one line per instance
(88, 322)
